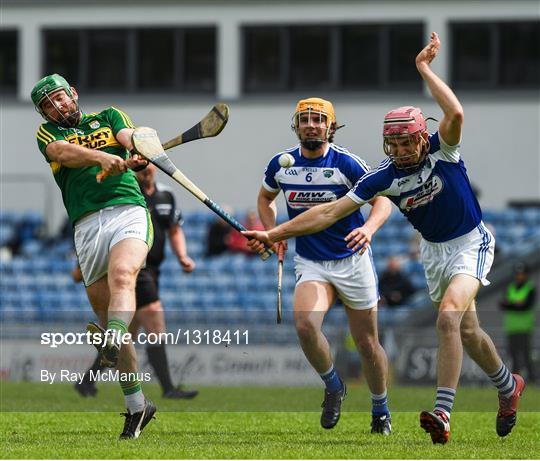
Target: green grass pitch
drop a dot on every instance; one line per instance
(51, 421)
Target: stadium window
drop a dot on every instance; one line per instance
(8, 61)
(310, 46)
(472, 55)
(379, 56)
(519, 66)
(263, 68)
(129, 60)
(62, 54)
(355, 57)
(404, 42)
(496, 55)
(155, 67)
(199, 61)
(107, 59)
(361, 45)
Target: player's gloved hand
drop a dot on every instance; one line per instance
(188, 265)
(358, 237)
(135, 161)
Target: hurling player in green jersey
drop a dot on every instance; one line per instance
(112, 227)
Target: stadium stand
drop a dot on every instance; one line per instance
(36, 285)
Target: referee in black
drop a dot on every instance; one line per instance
(167, 220)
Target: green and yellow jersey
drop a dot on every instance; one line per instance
(81, 192)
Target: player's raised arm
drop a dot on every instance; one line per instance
(450, 126)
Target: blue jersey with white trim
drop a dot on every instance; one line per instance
(437, 198)
(313, 182)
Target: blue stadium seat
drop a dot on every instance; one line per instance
(418, 280)
(31, 248)
(62, 249)
(10, 299)
(187, 300)
(413, 267)
(288, 283)
(7, 231)
(490, 216)
(170, 299)
(222, 282)
(195, 247)
(61, 266)
(9, 217)
(231, 287)
(21, 266)
(531, 216)
(8, 282)
(229, 299)
(217, 263)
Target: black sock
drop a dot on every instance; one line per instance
(95, 368)
(158, 359)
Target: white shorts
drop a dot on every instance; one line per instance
(354, 278)
(98, 232)
(470, 254)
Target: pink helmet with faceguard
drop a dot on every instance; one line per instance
(406, 121)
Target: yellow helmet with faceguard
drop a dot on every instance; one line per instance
(315, 106)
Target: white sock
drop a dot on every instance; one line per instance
(135, 402)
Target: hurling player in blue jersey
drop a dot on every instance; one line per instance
(426, 179)
(325, 267)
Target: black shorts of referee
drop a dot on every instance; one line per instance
(147, 287)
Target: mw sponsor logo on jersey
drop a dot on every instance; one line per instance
(96, 140)
(309, 198)
(423, 195)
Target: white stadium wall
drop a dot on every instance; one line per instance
(500, 141)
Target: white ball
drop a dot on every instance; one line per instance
(286, 160)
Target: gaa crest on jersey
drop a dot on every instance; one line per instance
(94, 124)
(423, 195)
(309, 198)
(328, 173)
(291, 172)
